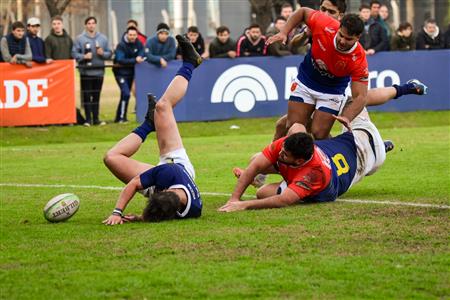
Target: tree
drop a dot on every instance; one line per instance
(56, 7)
(261, 12)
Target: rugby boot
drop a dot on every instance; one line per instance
(150, 115)
(416, 87)
(188, 51)
(388, 146)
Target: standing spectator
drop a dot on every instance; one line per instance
(161, 48)
(374, 7)
(196, 39)
(15, 47)
(429, 38)
(129, 52)
(141, 37)
(90, 50)
(36, 43)
(374, 38)
(58, 45)
(447, 37)
(383, 20)
(277, 48)
(253, 43)
(403, 39)
(222, 46)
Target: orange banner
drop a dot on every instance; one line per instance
(41, 95)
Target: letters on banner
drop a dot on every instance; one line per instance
(41, 95)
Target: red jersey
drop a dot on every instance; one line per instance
(306, 180)
(326, 69)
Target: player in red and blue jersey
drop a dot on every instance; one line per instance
(313, 171)
(335, 59)
(170, 185)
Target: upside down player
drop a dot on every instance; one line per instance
(313, 171)
(175, 194)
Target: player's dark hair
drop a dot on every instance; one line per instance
(373, 2)
(90, 18)
(17, 24)
(161, 206)
(300, 145)
(353, 23)
(404, 26)
(221, 29)
(340, 4)
(254, 25)
(364, 6)
(193, 29)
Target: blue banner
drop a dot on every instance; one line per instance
(260, 86)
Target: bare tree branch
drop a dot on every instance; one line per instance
(56, 7)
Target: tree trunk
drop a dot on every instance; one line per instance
(262, 13)
(56, 7)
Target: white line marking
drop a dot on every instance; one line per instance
(116, 188)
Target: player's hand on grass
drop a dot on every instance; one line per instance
(344, 121)
(113, 220)
(279, 37)
(233, 206)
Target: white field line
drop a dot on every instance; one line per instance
(115, 188)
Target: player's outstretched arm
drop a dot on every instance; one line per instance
(258, 165)
(287, 198)
(299, 16)
(125, 197)
(359, 92)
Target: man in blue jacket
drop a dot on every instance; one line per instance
(129, 52)
(161, 48)
(36, 43)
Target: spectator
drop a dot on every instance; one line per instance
(252, 43)
(222, 46)
(141, 37)
(383, 20)
(90, 50)
(277, 48)
(161, 48)
(58, 45)
(285, 12)
(195, 37)
(129, 52)
(446, 36)
(374, 38)
(403, 40)
(374, 7)
(36, 43)
(15, 47)
(429, 38)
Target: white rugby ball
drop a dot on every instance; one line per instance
(61, 207)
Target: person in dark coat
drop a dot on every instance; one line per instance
(222, 46)
(129, 52)
(403, 39)
(374, 38)
(36, 43)
(430, 38)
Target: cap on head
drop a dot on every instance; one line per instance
(162, 27)
(33, 21)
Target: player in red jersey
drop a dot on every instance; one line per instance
(335, 58)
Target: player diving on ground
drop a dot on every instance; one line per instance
(170, 185)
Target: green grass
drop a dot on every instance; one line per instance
(335, 250)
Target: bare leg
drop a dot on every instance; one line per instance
(321, 124)
(118, 160)
(167, 133)
(378, 96)
(298, 112)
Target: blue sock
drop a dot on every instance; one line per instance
(404, 89)
(144, 130)
(186, 70)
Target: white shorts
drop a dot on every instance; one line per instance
(329, 103)
(368, 162)
(178, 156)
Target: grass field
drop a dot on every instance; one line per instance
(328, 251)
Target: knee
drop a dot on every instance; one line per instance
(109, 158)
(162, 105)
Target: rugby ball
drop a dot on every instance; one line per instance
(61, 207)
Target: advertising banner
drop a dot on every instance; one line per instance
(260, 86)
(41, 95)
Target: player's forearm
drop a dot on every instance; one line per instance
(294, 20)
(126, 195)
(244, 181)
(355, 107)
(270, 202)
